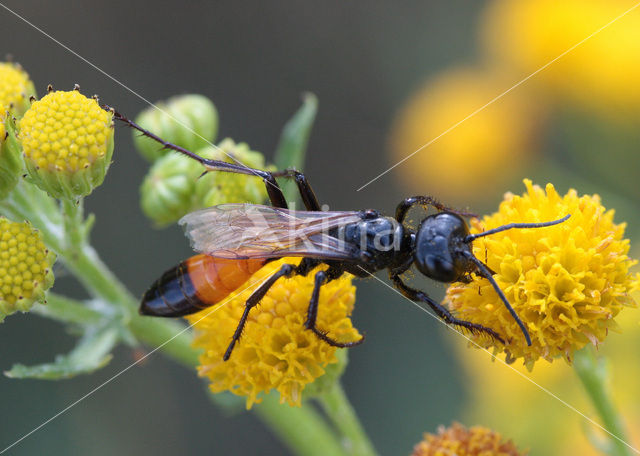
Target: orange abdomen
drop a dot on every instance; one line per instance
(215, 278)
(196, 283)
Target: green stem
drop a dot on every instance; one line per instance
(592, 372)
(301, 428)
(339, 410)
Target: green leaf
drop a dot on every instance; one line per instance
(67, 310)
(92, 353)
(292, 146)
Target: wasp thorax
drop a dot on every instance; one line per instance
(439, 247)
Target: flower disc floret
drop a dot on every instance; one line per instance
(68, 142)
(460, 441)
(25, 267)
(15, 88)
(275, 351)
(566, 282)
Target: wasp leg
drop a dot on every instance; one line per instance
(287, 270)
(304, 188)
(403, 208)
(441, 311)
(321, 278)
(273, 189)
(269, 178)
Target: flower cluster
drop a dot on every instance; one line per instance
(461, 441)
(566, 282)
(275, 351)
(25, 267)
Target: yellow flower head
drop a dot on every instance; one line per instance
(25, 267)
(15, 88)
(600, 74)
(460, 441)
(275, 351)
(472, 155)
(68, 142)
(566, 282)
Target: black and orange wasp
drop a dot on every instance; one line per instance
(236, 240)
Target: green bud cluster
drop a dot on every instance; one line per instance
(189, 121)
(175, 185)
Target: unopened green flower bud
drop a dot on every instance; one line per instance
(10, 160)
(220, 188)
(15, 89)
(190, 121)
(68, 143)
(167, 191)
(25, 267)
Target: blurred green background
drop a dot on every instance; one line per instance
(365, 61)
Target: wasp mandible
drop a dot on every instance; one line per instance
(236, 240)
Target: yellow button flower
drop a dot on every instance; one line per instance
(25, 267)
(600, 74)
(275, 351)
(472, 155)
(566, 282)
(68, 142)
(459, 441)
(15, 88)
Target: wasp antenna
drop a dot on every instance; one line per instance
(509, 226)
(485, 272)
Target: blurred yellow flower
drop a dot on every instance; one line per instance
(469, 161)
(461, 441)
(566, 282)
(495, 390)
(275, 351)
(15, 88)
(600, 74)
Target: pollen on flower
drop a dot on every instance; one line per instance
(15, 88)
(275, 351)
(458, 440)
(25, 267)
(566, 282)
(67, 141)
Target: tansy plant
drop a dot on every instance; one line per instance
(567, 283)
(54, 151)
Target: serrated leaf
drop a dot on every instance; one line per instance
(92, 353)
(292, 146)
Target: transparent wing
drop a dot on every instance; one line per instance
(256, 231)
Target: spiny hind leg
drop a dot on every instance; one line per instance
(287, 270)
(320, 279)
(274, 191)
(441, 311)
